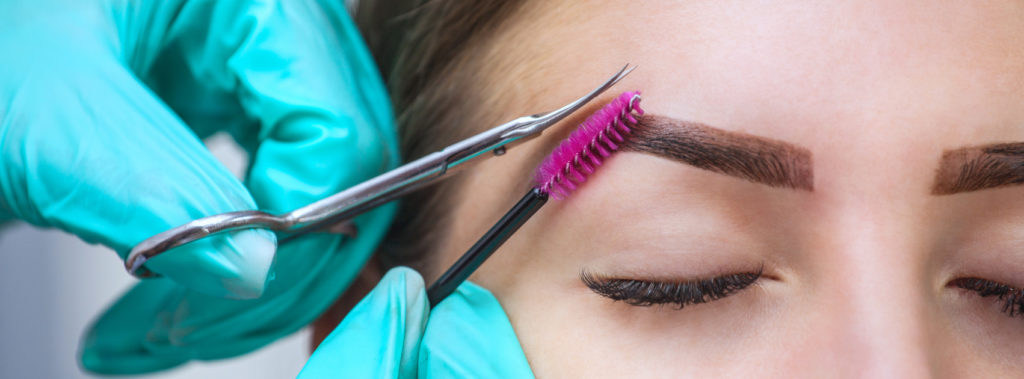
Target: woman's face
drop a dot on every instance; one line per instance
(859, 274)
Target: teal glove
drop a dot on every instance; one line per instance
(392, 333)
(102, 107)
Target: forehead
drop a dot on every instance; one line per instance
(853, 81)
(866, 53)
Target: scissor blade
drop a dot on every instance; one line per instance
(545, 120)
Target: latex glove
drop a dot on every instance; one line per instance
(102, 107)
(88, 148)
(392, 333)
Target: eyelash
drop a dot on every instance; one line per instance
(1012, 297)
(647, 293)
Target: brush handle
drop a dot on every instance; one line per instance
(486, 245)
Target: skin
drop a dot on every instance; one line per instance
(856, 271)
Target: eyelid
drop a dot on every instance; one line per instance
(639, 292)
(1012, 297)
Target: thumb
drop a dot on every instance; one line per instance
(380, 336)
(469, 335)
(87, 149)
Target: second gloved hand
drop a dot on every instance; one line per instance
(392, 333)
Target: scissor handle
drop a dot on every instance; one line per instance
(195, 230)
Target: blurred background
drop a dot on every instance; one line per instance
(52, 285)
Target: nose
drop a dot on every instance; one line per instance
(878, 294)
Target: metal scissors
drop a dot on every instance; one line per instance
(333, 213)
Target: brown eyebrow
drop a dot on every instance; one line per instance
(757, 159)
(979, 167)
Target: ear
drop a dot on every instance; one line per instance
(368, 277)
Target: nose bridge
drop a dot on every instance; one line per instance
(878, 289)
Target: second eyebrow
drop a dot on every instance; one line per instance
(980, 167)
(756, 159)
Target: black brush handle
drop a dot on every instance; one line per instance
(486, 245)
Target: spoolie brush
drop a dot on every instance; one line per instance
(557, 176)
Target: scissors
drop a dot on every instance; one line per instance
(334, 213)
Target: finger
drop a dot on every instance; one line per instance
(298, 69)
(204, 327)
(469, 335)
(89, 150)
(380, 336)
(112, 345)
(324, 115)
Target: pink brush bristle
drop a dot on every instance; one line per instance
(588, 146)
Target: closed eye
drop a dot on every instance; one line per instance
(1012, 298)
(640, 292)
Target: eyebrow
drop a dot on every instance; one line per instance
(979, 167)
(756, 159)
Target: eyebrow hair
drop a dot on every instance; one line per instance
(757, 159)
(979, 167)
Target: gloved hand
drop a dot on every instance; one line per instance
(102, 107)
(392, 333)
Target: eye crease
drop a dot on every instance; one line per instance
(683, 293)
